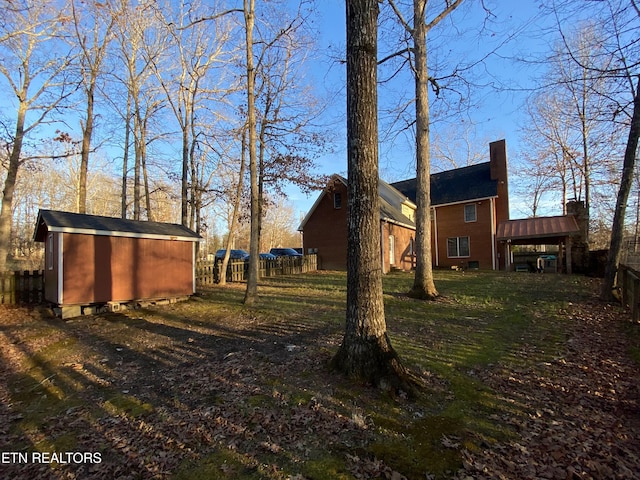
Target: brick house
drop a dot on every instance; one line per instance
(325, 227)
(467, 203)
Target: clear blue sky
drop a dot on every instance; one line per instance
(497, 112)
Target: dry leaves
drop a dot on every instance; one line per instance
(576, 417)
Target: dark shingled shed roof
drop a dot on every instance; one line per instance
(453, 186)
(56, 221)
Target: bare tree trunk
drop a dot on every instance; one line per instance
(234, 214)
(9, 188)
(87, 132)
(27, 36)
(366, 352)
(136, 173)
(195, 183)
(184, 203)
(125, 157)
(251, 293)
(145, 178)
(423, 284)
(617, 229)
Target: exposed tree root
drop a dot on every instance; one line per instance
(374, 361)
(422, 293)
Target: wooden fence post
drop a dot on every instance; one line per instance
(628, 281)
(22, 287)
(8, 288)
(635, 301)
(621, 281)
(208, 273)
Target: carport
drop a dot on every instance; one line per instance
(559, 230)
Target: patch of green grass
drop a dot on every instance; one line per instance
(259, 400)
(40, 387)
(429, 445)
(481, 322)
(123, 404)
(65, 442)
(326, 467)
(220, 465)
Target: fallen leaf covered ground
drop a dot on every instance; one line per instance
(581, 410)
(209, 389)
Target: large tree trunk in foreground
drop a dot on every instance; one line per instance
(366, 352)
(617, 229)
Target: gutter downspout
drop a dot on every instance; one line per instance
(60, 267)
(382, 245)
(494, 259)
(435, 236)
(193, 265)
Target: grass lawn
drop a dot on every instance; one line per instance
(526, 376)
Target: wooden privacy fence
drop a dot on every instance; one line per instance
(22, 287)
(28, 286)
(208, 272)
(629, 283)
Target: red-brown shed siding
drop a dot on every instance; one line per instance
(100, 268)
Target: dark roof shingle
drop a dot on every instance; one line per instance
(54, 220)
(453, 186)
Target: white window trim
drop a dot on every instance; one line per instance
(475, 213)
(457, 239)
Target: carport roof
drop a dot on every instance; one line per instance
(537, 229)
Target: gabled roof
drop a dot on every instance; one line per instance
(537, 228)
(389, 198)
(452, 186)
(57, 221)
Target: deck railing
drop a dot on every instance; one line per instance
(629, 284)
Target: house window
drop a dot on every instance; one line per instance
(458, 247)
(337, 200)
(470, 214)
(50, 251)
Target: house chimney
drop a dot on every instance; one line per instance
(498, 157)
(498, 170)
(579, 211)
(580, 244)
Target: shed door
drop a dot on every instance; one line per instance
(52, 282)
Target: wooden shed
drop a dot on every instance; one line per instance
(91, 259)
